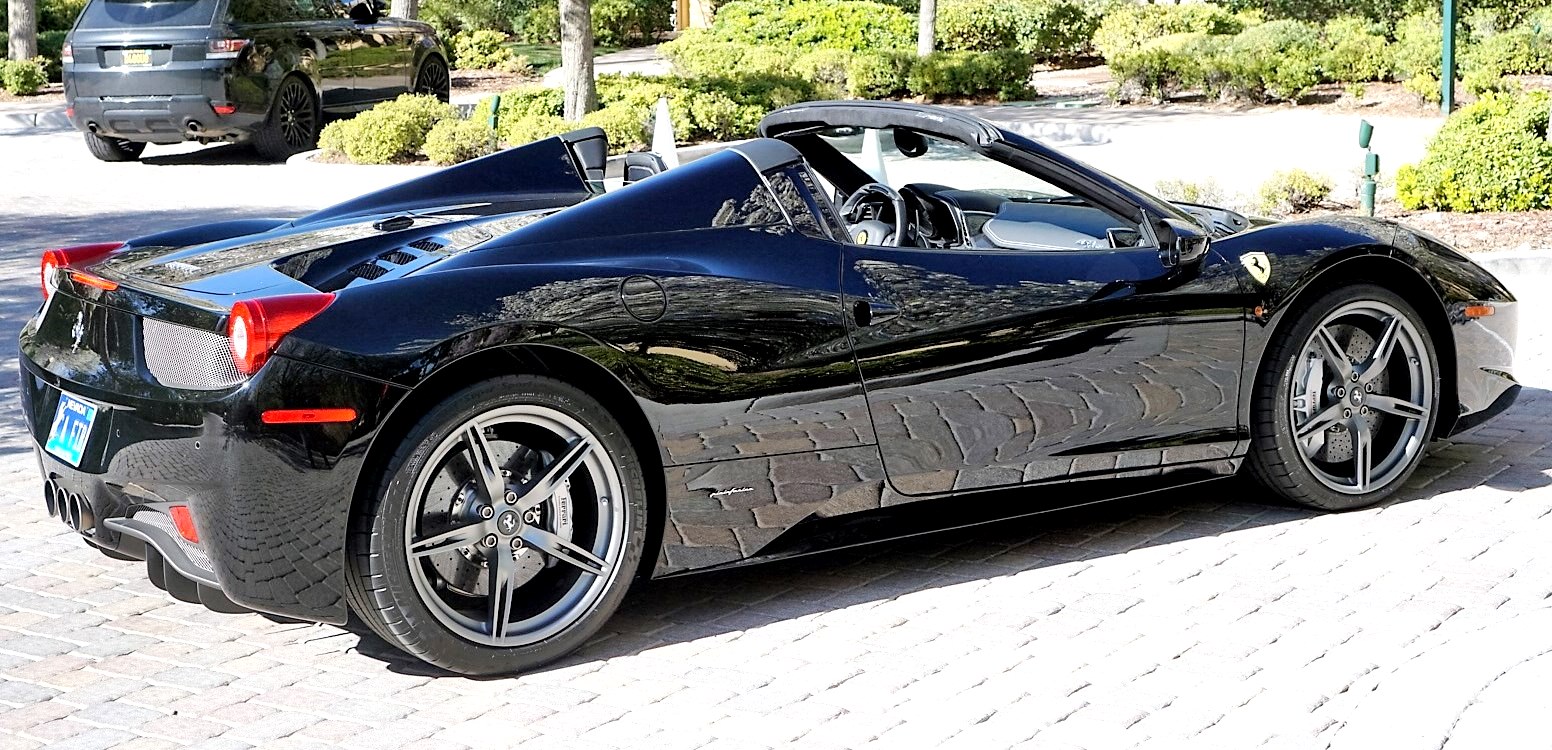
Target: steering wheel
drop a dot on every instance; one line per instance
(873, 231)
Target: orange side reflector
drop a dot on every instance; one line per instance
(308, 416)
(93, 281)
(1479, 311)
(184, 523)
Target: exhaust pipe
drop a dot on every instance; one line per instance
(81, 517)
(193, 126)
(92, 126)
(49, 489)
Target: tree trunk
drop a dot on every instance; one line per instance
(406, 9)
(927, 28)
(23, 26)
(576, 57)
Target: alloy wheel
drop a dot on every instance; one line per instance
(1361, 397)
(433, 80)
(295, 115)
(516, 527)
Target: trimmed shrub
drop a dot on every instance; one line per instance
(878, 75)
(539, 24)
(1044, 29)
(389, 132)
(1511, 52)
(621, 22)
(1417, 51)
(481, 50)
(23, 77)
(697, 53)
(1206, 192)
(1132, 26)
(1490, 156)
(530, 128)
(1003, 73)
(854, 25)
(1164, 66)
(454, 141)
(1284, 55)
(1294, 191)
(1356, 50)
(1425, 86)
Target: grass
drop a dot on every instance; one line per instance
(546, 57)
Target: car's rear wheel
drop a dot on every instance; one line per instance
(1346, 400)
(113, 149)
(433, 79)
(292, 125)
(507, 529)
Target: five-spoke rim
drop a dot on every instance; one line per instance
(1361, 397)
(516, 526)
(296, 114)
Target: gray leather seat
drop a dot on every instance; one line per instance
(1029, 226)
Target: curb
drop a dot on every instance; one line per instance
(49, 119)
(1523, 261)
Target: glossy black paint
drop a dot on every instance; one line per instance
(349, 64)
(795, 392)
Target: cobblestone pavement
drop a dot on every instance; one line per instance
(1204, 619)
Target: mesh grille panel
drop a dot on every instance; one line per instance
(397, 257)
(162, 521)
(368, 270)
(427, 244)
(183, 357)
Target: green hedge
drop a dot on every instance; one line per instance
(1043, 29)
(452, 140)
(1277, 60)
(393, 131)
(23, 77)
(1130, 27)
(1490, 156)
(483, 50)
(854, 25)
(626, 22)
(1004, 73)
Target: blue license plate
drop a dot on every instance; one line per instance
(72, 428)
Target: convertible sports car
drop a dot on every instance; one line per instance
(471, 409)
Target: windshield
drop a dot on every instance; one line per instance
(118, 14)
(932, 160)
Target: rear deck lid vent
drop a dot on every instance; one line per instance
(427, 244)
(368, 270)
(396, 257)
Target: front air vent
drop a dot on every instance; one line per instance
(427, 244)
(367, 270)
(396, 257)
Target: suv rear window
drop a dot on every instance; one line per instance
(118, 14)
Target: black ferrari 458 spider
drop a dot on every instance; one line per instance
(472, 409)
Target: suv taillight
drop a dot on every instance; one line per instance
(65, 257)
(256, 326)
(225, 49)
(66, 55)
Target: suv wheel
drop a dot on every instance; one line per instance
(433, 80)
(113, 149)
(292, 126)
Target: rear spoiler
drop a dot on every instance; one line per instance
(563, 165)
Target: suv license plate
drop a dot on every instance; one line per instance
(72, 428)
(136, 57)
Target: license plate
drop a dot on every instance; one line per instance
(136, 57)
(72, 428)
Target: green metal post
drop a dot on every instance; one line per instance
(1368, 187)
(495, 120)
(1447, 62)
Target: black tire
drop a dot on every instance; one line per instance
(113, 149)
(433, 79)
(1281, 458)
(398, 602)
(293, 122)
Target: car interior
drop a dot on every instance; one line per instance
(912, 189)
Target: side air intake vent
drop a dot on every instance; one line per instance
(427, 244)
(190, 358)
(396, 257)
(367, 270)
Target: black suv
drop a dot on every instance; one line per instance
(262, 71)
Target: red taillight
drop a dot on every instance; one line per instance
(66, 55)
(93, 281)
(225, 49)
(307, 416)
(183, 521)
(80, 255)
(256, 326)
(224, 109)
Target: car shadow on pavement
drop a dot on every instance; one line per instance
(215, 155)
(1510, 454)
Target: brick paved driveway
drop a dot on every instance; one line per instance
(1206, 620)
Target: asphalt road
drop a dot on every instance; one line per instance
(1201, 620)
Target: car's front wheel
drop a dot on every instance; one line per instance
(506, 531)
(113, 149)
(1346, 400)
(292, 124)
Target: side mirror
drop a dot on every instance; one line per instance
(363, 11)
(1185, 244)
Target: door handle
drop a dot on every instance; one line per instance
(872, 312)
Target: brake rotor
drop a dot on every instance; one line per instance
(1360, 345)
